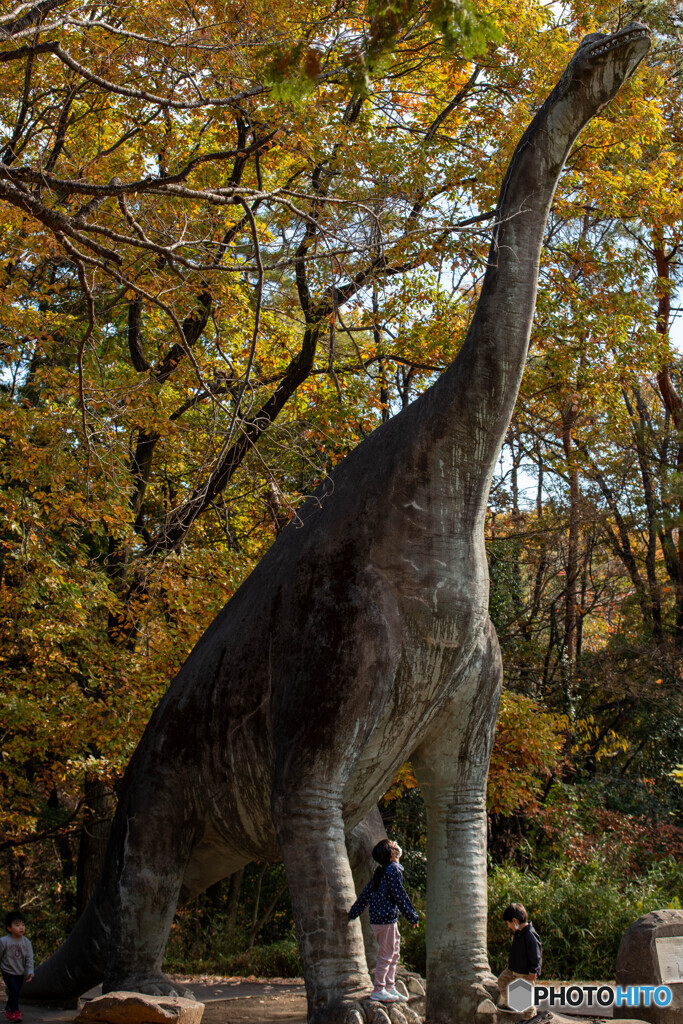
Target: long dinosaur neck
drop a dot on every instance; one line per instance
(484, 379)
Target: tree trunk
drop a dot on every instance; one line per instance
(66, 857)
(266, 915)
(674, 405)
(100, 804)
(233, 900)
(639, 419)
(257, 901)
(569, 417)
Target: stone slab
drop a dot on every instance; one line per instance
(138, 1008)
(643, 959)
(669, 950)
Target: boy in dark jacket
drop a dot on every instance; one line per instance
(526, 957)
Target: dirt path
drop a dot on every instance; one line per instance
(263, 1008)
(250, 1000)
(226, 1001)
(255, 1001)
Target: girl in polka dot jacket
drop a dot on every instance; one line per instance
(386, 898)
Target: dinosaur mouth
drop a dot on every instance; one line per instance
(617, 41)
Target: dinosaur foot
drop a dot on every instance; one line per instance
(491, 985)
(482, 995)
(152, 984)
(368, 1011)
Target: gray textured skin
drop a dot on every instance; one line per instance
(362, 639)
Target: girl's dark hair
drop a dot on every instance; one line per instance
(382, 854)
(14, 915)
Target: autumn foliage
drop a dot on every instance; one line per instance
(235, 239)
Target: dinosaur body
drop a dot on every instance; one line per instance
(361, 640)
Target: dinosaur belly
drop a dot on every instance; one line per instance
(434, 666)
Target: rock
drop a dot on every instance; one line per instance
(516, 1016)
(548, 1017)
(651, 953)
(137, 1008)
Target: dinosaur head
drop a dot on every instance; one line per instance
(604, 62)
(594, 75)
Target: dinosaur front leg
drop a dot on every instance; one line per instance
(339, 677)
(451, 766)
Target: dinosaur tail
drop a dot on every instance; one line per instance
(79, 962)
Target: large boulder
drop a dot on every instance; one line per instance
(651, 953)
(137, 1008)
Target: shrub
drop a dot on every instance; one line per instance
(279, 960)
(580, 911)
(413, 948)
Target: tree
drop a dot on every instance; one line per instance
(95, 619)
(378, 646)
(187, 217)
(589, 571)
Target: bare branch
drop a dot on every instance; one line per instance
(18, 23)
(137, 94)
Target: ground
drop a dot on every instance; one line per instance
(254, 1001)
(226, 1000)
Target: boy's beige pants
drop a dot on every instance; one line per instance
(504, 980)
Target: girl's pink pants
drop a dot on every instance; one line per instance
(389, 942)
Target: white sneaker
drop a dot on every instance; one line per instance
(384, 997)
(395, 994)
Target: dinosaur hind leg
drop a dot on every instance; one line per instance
(79, 962)
(152, 839)
(122, 933)
(311, 833)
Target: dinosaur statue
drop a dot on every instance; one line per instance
(362, 639)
